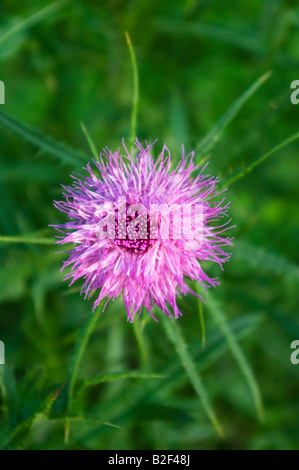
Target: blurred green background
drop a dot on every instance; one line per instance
(63, 63)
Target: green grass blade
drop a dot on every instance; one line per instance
(82, 418)
(174, 334)
(58, 150)
(34, 240)
(135, 88)
(202, 324)
(80, 347)
(131, 374)
(215, 134)
(238, 174)
(23, 25)
(237, 352)
(90, 142)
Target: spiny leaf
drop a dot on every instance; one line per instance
(237, 352)
(80, 418)
(238, 174)
(176, 337)
(19, 436)
(80, 346)
(214, 135)
(59, 150)
(216, 347)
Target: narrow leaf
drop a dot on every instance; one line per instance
(90, 142)
(216, 347)
(131, 374)
(238, 174)
(176, 337)
(58, 150)
(36, 240)
(81, 418)
(18, 438)
(202, 324)
(214, 135)
(137, 328)
(237, 352)
(80, 347)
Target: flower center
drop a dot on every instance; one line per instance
(133, 232)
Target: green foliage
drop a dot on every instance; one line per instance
(216, 312)
(77, 380)
(208, 143)
(177, 339)
(49, 146)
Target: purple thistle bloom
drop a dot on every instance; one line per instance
(133, 257)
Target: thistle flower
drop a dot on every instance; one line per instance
(141, 229)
